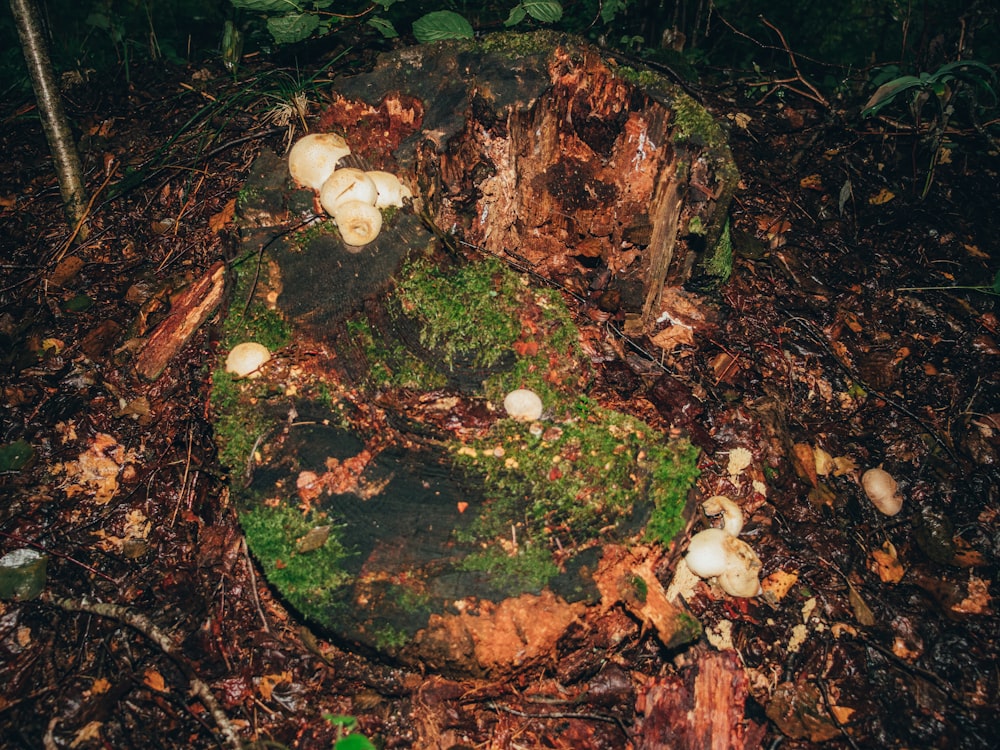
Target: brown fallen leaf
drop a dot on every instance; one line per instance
(885, 563)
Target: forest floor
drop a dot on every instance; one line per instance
(858, 329)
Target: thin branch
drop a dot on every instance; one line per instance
(139, 622)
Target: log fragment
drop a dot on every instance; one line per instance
(191, 308)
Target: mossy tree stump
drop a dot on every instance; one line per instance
(384, 490)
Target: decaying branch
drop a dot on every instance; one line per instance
(139, 622)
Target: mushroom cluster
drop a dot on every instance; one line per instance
(352, 197)
(720, 554)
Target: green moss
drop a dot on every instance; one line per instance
(307, 580)
(249, 319)
(720, 262)
(528, 569)
(563, 484)
(462, 312)
(390, 364)
(239, 419)
(674, 475)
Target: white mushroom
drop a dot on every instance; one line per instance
(732, 516)
(881, 489)
(314, 157)
(714, 553)
(391, 192)
(246, 359)
(359, 222)
(345, 185)
(523, 405)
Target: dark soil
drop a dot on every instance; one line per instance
(837, 337)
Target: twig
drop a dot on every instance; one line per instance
(816, 95)
(139, 622)
(86, 214)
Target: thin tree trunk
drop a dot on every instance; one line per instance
(57, 131)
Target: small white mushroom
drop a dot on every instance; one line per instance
(246, 359)
(345, 185)
(359, 222)
(523, 405)
(391, 192)
(314, 157)
(881, 489)
(715, 553)
(732, 516)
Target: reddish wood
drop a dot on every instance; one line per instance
(190, 310)
(704, 708)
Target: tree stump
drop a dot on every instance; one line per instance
(386, 492)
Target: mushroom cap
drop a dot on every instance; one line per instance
(314, 157)
(706, 554)
(881, 489)
(246, 359)
(732, 515)
(391, 192)
(345, 185)
(359, 222)
(715, 553)
(523, 405)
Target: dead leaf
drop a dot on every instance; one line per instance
(670, 338)
(779, 583)
(811, 182)
(217, 222)
(270, 681)
(882, 197)
(805, 463)
(885, 564)
(153, 679)
(88, 733)
(739, 460)
(823, 461)
(978, 600)
(861, 611)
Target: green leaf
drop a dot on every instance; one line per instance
(353, 742)
(292, 27)
(384, 27)
(610, 9)
(266, 6)
(546, 11)
(517, 14)
(996, 283)
(887, 92)
(15, 456)
(441, 24)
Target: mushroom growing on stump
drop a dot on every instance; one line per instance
(314, 157)
(246, 359)
(523, 405)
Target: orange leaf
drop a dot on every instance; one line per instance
(884, 196)
(885, 563)
(811, 182)
(152, 678)
(218, 221)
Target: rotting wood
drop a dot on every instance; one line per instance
(190, 310)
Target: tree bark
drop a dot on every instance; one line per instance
(57, 130)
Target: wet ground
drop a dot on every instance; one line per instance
(840, 343)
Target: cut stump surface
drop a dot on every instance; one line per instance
(387, 495)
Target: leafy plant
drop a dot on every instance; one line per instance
(347, 738)
(943, 87)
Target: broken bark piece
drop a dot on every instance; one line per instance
(539, 149)
(702, 709)
(191, 308)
